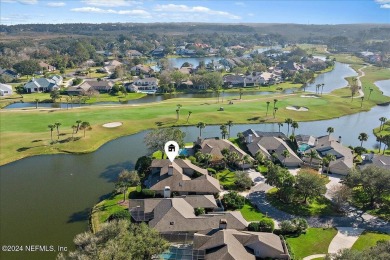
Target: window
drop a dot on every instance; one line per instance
(172, 223)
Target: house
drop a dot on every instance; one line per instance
(158, 52)
(133, 54)
(228, 63)
(182, 177)
(292, 66)
(229, 244)
(381, 161)
(9, 73)
(215, 146)
(177, 214)
(102, 86)
(234, 81)
(186, 70)
(141, 69)
(144, 85)
(344, 156)
(5, 90)
(109, 66)
(270, 145)
(46, 67)
(43, 84)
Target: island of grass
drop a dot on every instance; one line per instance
(319, 206)
(24, 133)
(369, 239)
(314, 241)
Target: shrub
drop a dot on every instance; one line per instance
(123, 214)
(212, 171)
(243, 181)
(286, 227)
(233, 201)
(254, 226)
(266, 225)
(192, 159)
(300, 225)
(76, 81)
(199, 211)
(148, 193)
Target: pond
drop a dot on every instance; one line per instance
(384, 86)
(45, 200)
(333, 79)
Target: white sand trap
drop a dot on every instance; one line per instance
(297, 108)
(112, 125)
(309, 96)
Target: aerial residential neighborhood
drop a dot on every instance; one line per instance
(209, 130)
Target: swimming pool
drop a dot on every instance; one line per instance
(303, 147)
(183, 152)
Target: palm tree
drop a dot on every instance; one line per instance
(189, 114)
(207, 159)
(318, 88)
(386, 141)
(285, 154)
(288, 121)
(380, 140)
(275, 100)
(330, 130)
(241, 92)
(369, 95)
(229, 124)
(275, 109)
(304, 86)
(57, 125)
(294, 126)
(74, 129)
(267, 107)
(312, 155)
(51, 130)
(280, 124)
(78, 125)
(361, 102)
(245, 160)
(200, 125)
(67, 102)
(85, 126)
(322, 88)
(327, 160)
(382, 120)
(224, 131)
(177, 111)
(36, 103)
(362, 137)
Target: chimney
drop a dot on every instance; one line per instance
(170, 170)
(167, 192)
(339, 139)
(249, 139)
(222, 223)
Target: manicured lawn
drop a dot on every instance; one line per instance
(250, 213)
(384, 131)
(107, 207)
(369, 239)
(317, 207)
(226, 179)
(315, 241)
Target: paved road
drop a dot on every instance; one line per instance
(353, 217)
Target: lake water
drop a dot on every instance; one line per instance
(333, 79)
(45, 200)
(384, 85)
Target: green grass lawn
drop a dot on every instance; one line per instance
(20, 129)
(226, 179)
(369, 239)
(317, 207)
(105, 208)
(315, 241)
(385, 130)
(250, 213)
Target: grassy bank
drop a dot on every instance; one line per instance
(315, 241)
(24, 133)
(369, 239)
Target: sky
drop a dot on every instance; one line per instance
(218, 11)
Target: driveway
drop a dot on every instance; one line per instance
(345, 238)
(333, 184)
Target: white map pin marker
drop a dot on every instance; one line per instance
(171, 150)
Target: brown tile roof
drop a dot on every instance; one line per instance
(232, 244)
(177, 214)
(215, 147)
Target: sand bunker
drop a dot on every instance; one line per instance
(112, 125)
(297, 108)
(310, 96)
